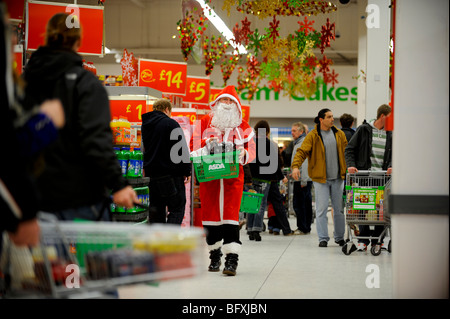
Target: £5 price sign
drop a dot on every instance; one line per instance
(197, 90)
(164, 76)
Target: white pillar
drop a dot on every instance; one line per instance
(362, 63)
(420, 183)
(378, 22)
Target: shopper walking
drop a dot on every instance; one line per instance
(81, 168)
(347, 121)
(166, 162)
(265, 169)
(370, 148)
(302, 197)
(25, 133)
(324, 147)
(221, 199)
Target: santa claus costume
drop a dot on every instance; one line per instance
(221, 199)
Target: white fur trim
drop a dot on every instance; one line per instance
(227, 95)
(231, 248)
(216, 245)
(218, 223)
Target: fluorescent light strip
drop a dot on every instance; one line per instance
(221, 26)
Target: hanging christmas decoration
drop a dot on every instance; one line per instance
(213, 49)
(268, 8)
(190, 30)
(287, 64)
(129, 66)
(228, 65)
(328, 33)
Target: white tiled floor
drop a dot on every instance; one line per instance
(282, 267)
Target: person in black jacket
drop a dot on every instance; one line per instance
(81, 168)
(370, 148)
(166, 162)
(266, 173)
(25, 133)
(347, 121)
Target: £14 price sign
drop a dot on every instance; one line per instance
(164, 76)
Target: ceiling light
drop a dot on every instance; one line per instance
(221, 26)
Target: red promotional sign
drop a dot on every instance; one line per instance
(191, 114)
(197, 90)
(246, 112)
(132, 109)
(213, 92)
(90, 20)
(164, 76)
(18, 59)
(15, 9)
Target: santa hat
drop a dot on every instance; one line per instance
(230, 92)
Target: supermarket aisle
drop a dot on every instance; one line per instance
(281, 267)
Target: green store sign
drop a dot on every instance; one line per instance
(323, 93)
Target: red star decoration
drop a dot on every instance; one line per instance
(331, 78)
(274, 29)
(253, 67)
(324, 65)
(305, 26)
(328, 33)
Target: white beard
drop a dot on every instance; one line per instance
(226, 116)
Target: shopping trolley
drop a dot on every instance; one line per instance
(91, 259)
(365, 193)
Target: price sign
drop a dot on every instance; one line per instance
(201, 106)
(164, 76)
(191, 114)
(246, 113)
(89, 18)
(197, 90)
(213, 93)
(132, 109)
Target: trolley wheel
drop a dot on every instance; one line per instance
(348, 248)
(375, 249)
(389, 245)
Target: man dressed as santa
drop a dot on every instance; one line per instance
(221, 198)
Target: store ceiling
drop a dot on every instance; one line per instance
(148, 28)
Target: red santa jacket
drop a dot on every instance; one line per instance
(221, 199)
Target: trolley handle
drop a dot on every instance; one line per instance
(368, 172)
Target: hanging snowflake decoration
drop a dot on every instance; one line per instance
(328, 33)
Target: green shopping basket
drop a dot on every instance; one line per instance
(251, 202)
(216, 166)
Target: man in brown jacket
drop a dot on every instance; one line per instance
(324, 147)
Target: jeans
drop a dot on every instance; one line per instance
(302, 203)
(280, 211)
(255, 221)
(167, 192)
(332, 189)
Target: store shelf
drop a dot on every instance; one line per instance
(133, 90)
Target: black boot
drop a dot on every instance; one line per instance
(257, 235)
(231, 262)
(251, 235)
(215, 256)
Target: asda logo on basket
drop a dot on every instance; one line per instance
(215, 167)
